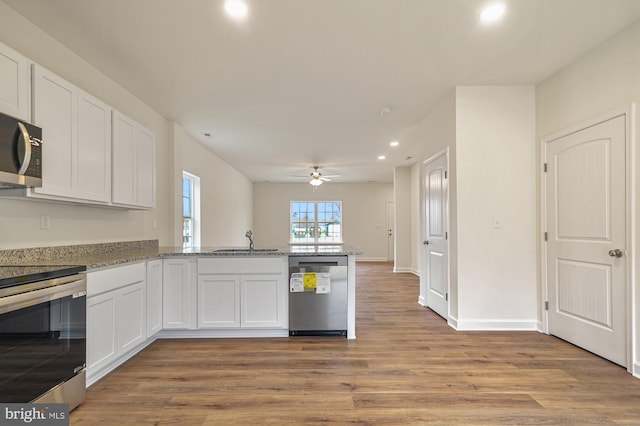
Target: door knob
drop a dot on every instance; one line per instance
(425, 242)
(615, 253)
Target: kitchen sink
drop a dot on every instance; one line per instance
(245, 250)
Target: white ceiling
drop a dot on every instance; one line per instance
(302, 82)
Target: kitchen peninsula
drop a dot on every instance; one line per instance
(138, 292)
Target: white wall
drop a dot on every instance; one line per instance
(20, 220)
(364, 212)
(496, 178)
(490, 134)
(402, 205)
(604, 79)
(226, 196)
(437, 132)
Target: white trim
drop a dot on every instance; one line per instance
(403, 270)
(636, 369)
(629, 113)
(453, 322)
(497, 325)
(239, 333)
(421, 301)
(372, 259)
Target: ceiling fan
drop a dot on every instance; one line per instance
(317, 178)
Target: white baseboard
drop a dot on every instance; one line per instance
(636, 370)
(371, 259)
(402, 270)
(223, 333)
(453, 322)
(421, 301)
(495, 325)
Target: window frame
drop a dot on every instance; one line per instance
(194, 218)
(314, 224)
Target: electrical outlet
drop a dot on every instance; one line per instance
(45, 222)
(497, 222)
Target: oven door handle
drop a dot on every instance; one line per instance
(76, 288)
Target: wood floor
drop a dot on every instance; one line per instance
(405, 367)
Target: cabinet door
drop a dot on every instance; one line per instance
(178, 293)
(131, 317)
(145, 167)
(262, 300)
(218, 301)
(124, 185)
(55, 110)
(94, 149)
(154, 297)
(14, 84)
(101, 331)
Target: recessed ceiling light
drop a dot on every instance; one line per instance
(492, 13)
(394, 143)
(237, 9)
(381, 157)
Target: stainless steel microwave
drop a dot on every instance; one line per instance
(20, 153)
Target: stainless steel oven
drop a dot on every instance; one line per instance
(42, 336)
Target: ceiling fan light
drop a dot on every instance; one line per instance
(315, 181)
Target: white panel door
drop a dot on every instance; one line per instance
(262, 300)
(586, 224)
(55, 110)
(145, 167)
(154, 297)
(14, 84)
(391, 224)
(94, 149)
(218, 301)
(436, 246)
(131, 311)
(124, 184)
(101, 331)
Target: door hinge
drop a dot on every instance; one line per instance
(546, 306)
(446, 297)
(545, 167)
(546, 236)
(446, 235)
(445, 174)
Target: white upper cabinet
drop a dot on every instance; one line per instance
(94, 148)
(134, 163)
(76, 134)
(14, 84)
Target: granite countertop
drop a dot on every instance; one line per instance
(95, 256)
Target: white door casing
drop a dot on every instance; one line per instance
(435, 240)
(585, 215)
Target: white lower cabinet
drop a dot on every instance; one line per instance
(116, 317)
(179, 293)
(154, 297)
(242, 292)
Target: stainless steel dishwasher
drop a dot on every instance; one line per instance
(315, 312)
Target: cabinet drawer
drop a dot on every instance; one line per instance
(242, 265)
(110, 279)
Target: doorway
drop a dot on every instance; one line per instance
(586, 227)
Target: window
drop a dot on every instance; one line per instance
(190, 210)
(317, 222)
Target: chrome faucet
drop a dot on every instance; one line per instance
(249, 235)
